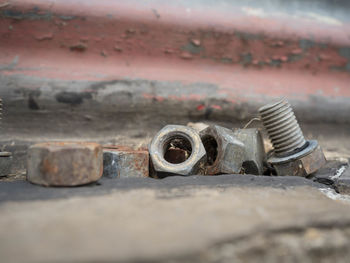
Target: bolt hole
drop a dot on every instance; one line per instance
(177, 150)
(211, 147)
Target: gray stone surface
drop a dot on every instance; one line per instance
(21, 190)
(184, 223)
(342, 180)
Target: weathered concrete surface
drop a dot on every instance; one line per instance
(193, 224)
(20, 190)
(342, 180)
(194, 100)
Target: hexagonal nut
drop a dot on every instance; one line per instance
(225, 153)
(304, 163)
(64, 163)
(121, 161)
(198, 126)
(254, 150)
(177, 149)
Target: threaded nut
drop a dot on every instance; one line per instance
(225, 153)
(177, 140)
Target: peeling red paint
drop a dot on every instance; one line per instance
(186, 55)
(149, 39)
(47, 36)
(297, 51)
(244, 57)
(200, 107)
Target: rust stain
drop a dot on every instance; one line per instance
(48, 167)
(97, 152)
(135, 162)
(117, 147)
(140, 162)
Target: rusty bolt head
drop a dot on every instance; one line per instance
(177, 139)
(225, 153)
(120, 161)
(302, 163)
(64, 163)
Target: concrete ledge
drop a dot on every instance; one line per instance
(22, 190)
(161, 225)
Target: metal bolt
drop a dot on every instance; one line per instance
(293, 155)
(282, 127)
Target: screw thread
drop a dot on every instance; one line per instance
(282, 127)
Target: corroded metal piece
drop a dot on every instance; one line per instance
(183, 141)
(64, 163)
(225, 153)
(293, 155)
(254, 150)
(120, 161)
(302, 163)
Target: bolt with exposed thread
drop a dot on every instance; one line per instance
(282, 127)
